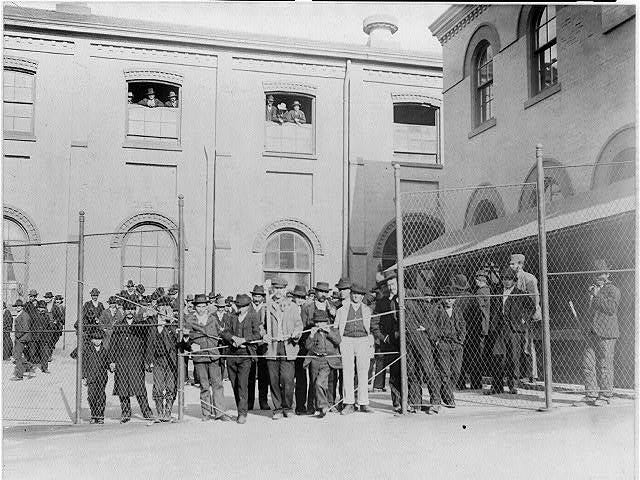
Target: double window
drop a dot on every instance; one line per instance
(289, 123)
(149, 256)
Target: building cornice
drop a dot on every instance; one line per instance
(454, 20)
(46, 20)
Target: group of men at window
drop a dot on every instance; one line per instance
(150, 100)
(279, 113)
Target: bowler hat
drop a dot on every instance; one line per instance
(600, 266)
(58, 297)
(33, 293)
(97, 334)
(48, 295)
(112, 300)
(18, 303)
(322, 287)
(508, 273)
(42, 304)
(150, 91)
(296, 103)
(344, 283)
(270, 98)
(311, 292)
(242, 300)
(140, 288)
(130, 283)
(356, 288)
(299, 291)
(459, 282)
(172, 94)
(258, 290)
(200, 298)
(220, 302)
(94, 291)
(279, 282)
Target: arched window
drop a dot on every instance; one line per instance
(557, 185)
(545, 50)
(288, 255)
(484, 212)
(617, 158)
(419, 231)
(149, 256)
(484, 83)
(15, 260)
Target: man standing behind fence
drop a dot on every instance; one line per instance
(126, 359)
(7, 326)
(528, 283)
(601, 332)
(23, 337)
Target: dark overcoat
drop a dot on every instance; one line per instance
(604, 312)
(127, 350)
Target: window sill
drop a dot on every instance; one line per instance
(151, 146)
(434, 166)
(20, 137)
(547, 92)
(482, 127)
(301, 156)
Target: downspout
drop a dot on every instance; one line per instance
(345, 170)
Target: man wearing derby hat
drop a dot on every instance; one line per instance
(92, 309)
(150, 100)
(258, 298)
(240, 334)
(95, 367)
(353, 320)
(22, 328)
(296, 115)
(528, 283)
(601, 333)
(56, 323)
(283, 331)
(173, 100)
(109, 318)
(126, 358)
(304, 390)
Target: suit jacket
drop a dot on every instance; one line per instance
(95, 364)
(23, 327)
(516, 311)
(204, 336)
(386, 325)
(127, 350)
(288, 316)
(484, 305)
(452, 329)
(528, 283)
(325, 344)
(163, 346)
(7, 321)
(88, 306)
(421, 313)
(306, 314)
(249, 329)
(156, 102)
(106, 322)
(604, 312)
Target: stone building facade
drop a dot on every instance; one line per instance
(309, 200)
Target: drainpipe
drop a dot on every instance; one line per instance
(345, 171)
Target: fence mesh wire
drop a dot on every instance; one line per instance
(491, 351)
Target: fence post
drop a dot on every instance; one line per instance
(180, 304)
(544, 284)
(404, 388)
(80, 334)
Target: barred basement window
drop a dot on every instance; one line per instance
(153, 113)
(415, 129)
(289, 123)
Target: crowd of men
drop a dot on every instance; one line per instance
(315, 350)
(151, 100)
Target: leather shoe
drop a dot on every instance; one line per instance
(434, 409)
(125, 419)
(366, 409)
(242, 419)
(584, 401)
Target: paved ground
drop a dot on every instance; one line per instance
(476, 440)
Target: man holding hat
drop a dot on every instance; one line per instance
(601, 333)
(22, 330)
(283, 331)
(296, 115)
(241, 332)
(353, 320)
(150, 100)
(258, 297)
(204, 331)
(126, 358)
(528, 283)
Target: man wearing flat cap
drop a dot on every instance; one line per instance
(150, 100)
(528, 283)
(283, 331)
(601, 332)
(240, 334)
(259, 368)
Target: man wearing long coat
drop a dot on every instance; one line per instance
(126, 359)
(7, 326)
(108, 319)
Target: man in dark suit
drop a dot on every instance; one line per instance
(242, 331)
(56, 323)
(517, 308)
(23, 337)
(7, 327)
(150, 100)
(258, 297)
(95, 369)
(92, 305)
(601, 332)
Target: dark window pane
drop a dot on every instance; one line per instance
(286, 242)
(414, 114)
(272, 260)
(287, 260)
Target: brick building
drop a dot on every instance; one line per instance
(308, 200)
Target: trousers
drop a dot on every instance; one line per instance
(303, 389)
(210, 376)
(125, 406)
(281, 373)
(597, 365)
(97, 398)
(449, 361)
(238, 369)
(260, 370)
(22, 364)
(421, 367)
(355, 352)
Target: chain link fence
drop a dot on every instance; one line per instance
(466, 341)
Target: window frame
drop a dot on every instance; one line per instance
(170, 79)
(28, 67)
(280, 270)
(540, 19)
(293, 93)
(123, 247)
(482, 49)
(426, 102)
